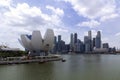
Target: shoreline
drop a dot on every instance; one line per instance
(38, 59)
(91, 53)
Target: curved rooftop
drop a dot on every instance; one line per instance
(35, 42)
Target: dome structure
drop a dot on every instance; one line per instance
(35, 44)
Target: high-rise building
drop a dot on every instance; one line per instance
(62, 45)
(71, 42)
(75, 38)
(90, 35)
(82, 47)
(55, 45)
(87, 47)
(75, 42)
(105, 45)
(59, 44)
(55, 39)
(98, 40)
(67, 48)
(99, 34)
(93, 42)
(77, 46)
(87, 44)
(90, 40)
(59, 38)
(86, 39)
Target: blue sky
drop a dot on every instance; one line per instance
(63, 16)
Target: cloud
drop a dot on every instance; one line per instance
(107, 17)
(90, 24)
(57, 11)
(94, 8)
(117, 34)
(105, 39)
(25, 16)
(96, 11)
(23, 19)
(5, 3)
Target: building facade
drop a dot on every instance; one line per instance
(98, 40)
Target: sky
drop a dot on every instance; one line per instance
(63, 16)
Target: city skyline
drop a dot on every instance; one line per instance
(90, 44)
(63, 16)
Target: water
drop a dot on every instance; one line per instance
(77, 67)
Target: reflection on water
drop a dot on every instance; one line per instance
(77, 67)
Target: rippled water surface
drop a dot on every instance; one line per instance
(76, 67)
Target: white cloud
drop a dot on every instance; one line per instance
(5, 3)
(105, 39)
(94, 33)
(100, 10)
(107, 17)
(23, 19)
(117, 34)
(94, 8)
(57, 11)
(24, 15)
(90, 24)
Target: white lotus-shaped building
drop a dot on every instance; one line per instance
(36, 45)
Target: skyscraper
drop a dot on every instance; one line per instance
(67, 48)
(90, 39)
(93, 42)
(55, 45)
(62, 46)
(98, 40)
(87, 44)
(77, 46)
(59, 38)
(59, 45)
(75, 38)
(71, 42)
(55, 39)
(90, 35)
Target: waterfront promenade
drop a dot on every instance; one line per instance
(38, 59)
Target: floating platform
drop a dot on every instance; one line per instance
(24, 60)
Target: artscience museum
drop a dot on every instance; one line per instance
(36, 45)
